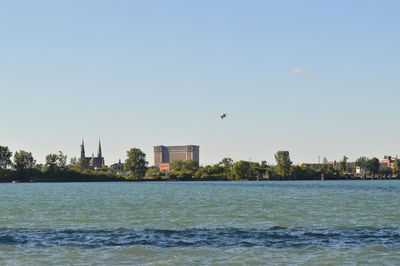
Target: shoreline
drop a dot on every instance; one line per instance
(194, 180)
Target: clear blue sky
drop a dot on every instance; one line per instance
(311, 77)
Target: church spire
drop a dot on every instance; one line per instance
(82, 150)
(99, 152)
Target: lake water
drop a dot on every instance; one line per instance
(192, 223)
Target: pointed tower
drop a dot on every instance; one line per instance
(99, 155)
(82, 150)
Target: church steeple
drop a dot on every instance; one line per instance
(99, 152)
(82, 150)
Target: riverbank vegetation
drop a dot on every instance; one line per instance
(22, 167)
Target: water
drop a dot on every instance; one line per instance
(219, 223)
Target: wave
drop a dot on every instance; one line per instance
(276, 237)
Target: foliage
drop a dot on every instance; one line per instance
(51, 161)
(23, 160)
(153, 172)
(56, 170)
(396, 166)
(73, 162)
(241, 170)
(184, 169)
(372, 166)
(82, 164)
(61, 160)
(362, 162)
(213, 172)
(189, 165)
(7, 175)
(302, 173)
(56, 161)
(185, 175)
(326, 170)
(226, 163)
(136, 162)
(283, 163)
(385, 171)
(343, 164)
(5, 157)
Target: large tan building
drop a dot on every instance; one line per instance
(387, 161)
(168, 154)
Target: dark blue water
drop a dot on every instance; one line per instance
(216, 238)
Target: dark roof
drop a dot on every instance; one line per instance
(94, 158)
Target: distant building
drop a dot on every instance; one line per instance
(387, 161)
(94, 162)
(360, 171)
(168, 154)
(319, 166)
(165, 167)
(118, 166)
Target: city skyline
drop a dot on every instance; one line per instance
(151, 158)
(316, 79)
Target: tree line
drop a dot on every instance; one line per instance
(283, 169)
(375, 169)
(22, 166)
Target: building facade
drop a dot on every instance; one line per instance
(319, 166)
(360, 171)
(94, 162)
(118, 166)
(168, 154)
(387, 161)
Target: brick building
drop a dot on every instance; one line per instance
(167, 154)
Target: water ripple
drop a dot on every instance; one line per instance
(275, 237)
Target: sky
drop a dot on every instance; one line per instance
(316, 78)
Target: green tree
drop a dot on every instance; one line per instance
(373, 166)
(73, 162)
(256, 171)
(56, 161)
(226, 163)
(241, 169)
(39, 166)
(326, 170)
(385, 171)
(153, 171)
(82, 164)
(214, 172)
(283, 163)
(23, 160)
(184, 169)
(396, 166)
(176, 165)
(362, 162)
(304, 173)
(51, 161)
(343, 164)
(136, 162)
(189, 165)
(61, 160)
(5, 157)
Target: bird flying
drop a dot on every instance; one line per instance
(224, 116)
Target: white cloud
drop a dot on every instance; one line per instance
(299, 71)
